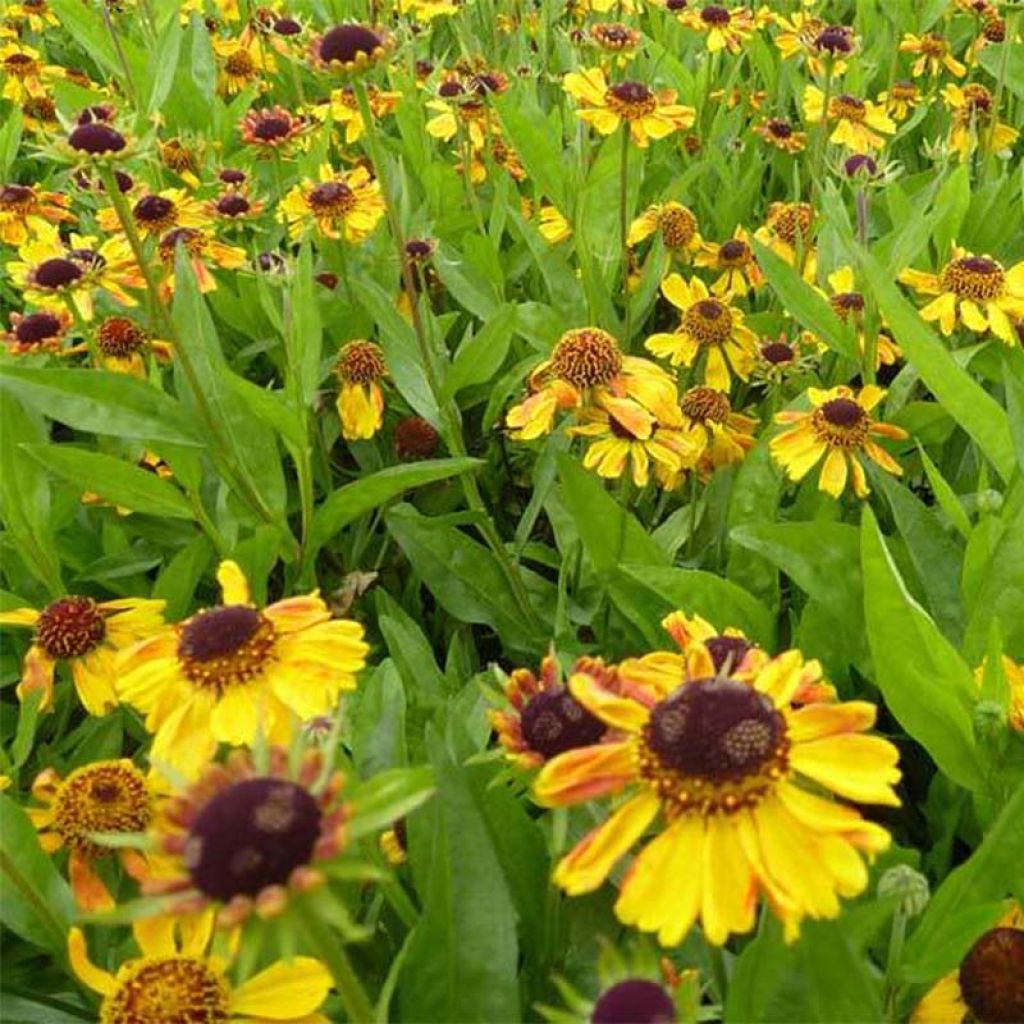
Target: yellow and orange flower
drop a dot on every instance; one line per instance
(735, 263)
(349, 48)
(933, 54)
(709, 326)
(273, 130)
(25, 210)
(229, 673)
(242, 61)
(344, 205)
(124, 344)
(724, 28)
(24, 73)
(103, 796)
(736, 774)
(87, 635)
(648, 114)
(204, 251)
(848, 304)
(37, 332)
(900, 100)
(860, 125)
(788, 231)
(721, 437)
(360, 369)
(344, 109)
(781, 134)
(676, 223)
(156, 213)
(975, 122)
(799, 36)
(839, 428)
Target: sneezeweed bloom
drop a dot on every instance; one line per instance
(734, 262)
(676, 224)
(203, 250)
(425, 11)
(616, 39)
(36, 13)
(349, 49)
(848, 304)
(234, 207)
(156, 213)
(900, 100)
(973, 117)
(724, 28)
(24, 73)
(788, 231)
(860, 125)
(26, 210)
(722, 437)
(588, 370)
(456, 109)
(542, 719)
(986, 986)
(648, 114)
(37, 332)
(709, 326)
(780, 359)
(933, 55)
(182, 157)
(781, 134)
(242, 62)
(104, 796)
(86, 635)
(340, 204)
(839, 428)
(344, 109)
(95, 142)
(176, 981)
(553, 224)
(415, 438)
(798, 39)
(272, 129)
(833, 43)
(728, 766)
(233, 671)
(39, 115)
(360, 369)
(976, 291)
(123, 345)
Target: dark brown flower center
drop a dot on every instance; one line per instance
(287, 27)
(189, 238)
(57, 273)
(96, 138)
(586, 357)
(843, 412)
(634, 1001)
(848, 108)
(251, 835)
(933, 45)
(361, 362)
(240, 64)
(13, 197)
(847, 304)
(70, 627)
(715, 15)
(780, 129)
(992, 977)
(218, 632)
(778, 352)
(345, 43)
(727, 651)
(272, 127)
(836, 39)
(450, 89)
(37, 327)
(554, 721)
(415, 438)
(233, 205)
(332, 196)
(705, 405)
(631, 92)
(791, 221)
(120, 337)
(155, 210)
(977, 278)
(708, 322)
(230, 176)
(734, 252)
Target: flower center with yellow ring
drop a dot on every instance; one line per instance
(332, 198)
(157, 213)
(630, 100)
(714, 746)
(903, 91)
(841, 423)
(848, 108)
(734, 253)
(933, 45)
(847, 304)
(615, 36)
(108, 796)
(19, 199)
(778, 353)
(974, 277)
(361, 362)
(780, 129)
(225, 646)
(240, 64)
(715, 16)
(21, 65)
(169, 989)
(705, 405)
(587, 357)
(709, 322)
(192, 240)
(70, 627)
(992, 977)
(678, 226)
(792, 220)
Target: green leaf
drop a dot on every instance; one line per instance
(531, 134)
(178, 580)
(926, 684)
(756, 491)
(348, 503)
(388, 796)
(947, 498)
(481, 356)
(409, 647)
(269, 406)
(967, 402)
(114, 480)
(102, 403)
(378, 721)
(169, 48)
(304, 334)
(463, 277)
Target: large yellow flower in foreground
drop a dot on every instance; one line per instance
(649, 114)
(708, 325)
(175, 981)
(86, 634)
(230, 672)
(860, 125)
(840, 428)
(734, 774)
(976, 291)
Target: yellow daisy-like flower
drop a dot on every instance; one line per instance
(840, 428)
(933, 55)
(799, 37)
(734, 261)
(543, 718)
(1014, 674)
(848, 304)
(24, 74)
(649, 114)
(25, 210)
(37, 332)
(455, 107)
(860, 125)
(156, 213)
(344, 205)
(788, 231)
(973, 117)
(976, 291)
(176, 981)
(123, 345)
(900, 101)
(87, 635)
(587, 370)
(709, 325)
(204, 250)
(722, 437)
(987, 985)
(344, 109)
(104, 796)
(553, 225)
(425, 11)
(349, 48)
(676, 223)
(728, 766)
(36, 13)
(781, 134)
(360, 368)
(230, 672)
(273, 129)
(724, 28)
(614, 449)
(241, 62)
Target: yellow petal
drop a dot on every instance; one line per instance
(85, 970)
(858, 767)
(728, 888)
(585, 774)
(284, 991)
(233, 584)
(618, 712)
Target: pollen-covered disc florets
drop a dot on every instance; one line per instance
(709, 322)
(992, 977)
(586, 357)
(172, 989)
(190, 238)
(714, 744)
(70, 627)
(251, 835)
(976, 278)
(705, 405)
(841, 422)
(554, 721)
(157, 213)
(120, 337)
(332, 197)
(108, 796)
(224, 646)
(791, 221)
(361, 362)
(678, 226)
(631, 100)
(849, 108)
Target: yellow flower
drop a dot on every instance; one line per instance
(857, 122)
(203, 249)
(649, 114)
(587, 370)
(273, 129)
(734, 261)
(344, 205)
(736, 774)
(229, 673)
(123, 344)
(469, 110)
(1014, 674)
(778, 132)
(104, 796)
(721, 437)
(552, 224)
(344, 109)
(709, 325)
(37, 332)
(394, 843)
(175, 981)
(976, 291)
(933, 54)
(677, 224)
(900, 101)
(987, 983)
(156, 213)
(426, 11)
(25, 211)
(788, 231)
(360, 403)
(87, 635)
(724, 28)
(848, 304)
(799, 38)
(840, 428)
(974, 122)
(241, 62)
(24, 74)
(36, 13)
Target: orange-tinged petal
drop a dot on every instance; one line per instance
(817, 720)
(85, 970)
(858, 767)
(728, 885)
(37, 674)
(91, 894)
(294, 614)
(585, 773)
(618, 712)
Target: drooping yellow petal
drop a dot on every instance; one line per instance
(85, 970)
(861, 768)
(728, 887)
(284, 991)
(233, 584)
(585, 774)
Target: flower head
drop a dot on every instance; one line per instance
(349, 48)
(723, 27)
(204, 250)
(37, 332)
(26, 210)
(344, 205)
(734, 262)
(859, 124)
(360, 369)
(242, 62)
(272, 129)
(933, 55)
(975, 122)
(676, 223)
(900, 100)
(721, 437)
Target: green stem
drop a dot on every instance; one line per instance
(716, 957)
(357, 1003)
(822, 142)
(83, 329)
(624, 234)
(997, 99)
(897, 936)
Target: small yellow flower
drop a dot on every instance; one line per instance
(778, 132)
(933, 55)
(788, 231)
(552, 224)
(25, 210)
(858, 123)
(360, 368)
(840, 428)
(900, 101)
(720, 436)
(123, 345)
(156, 213)
(344, 205)
(425, 11)
(677, 224)
(394, 844)
(734, 261)
(975, 124)
(848, 304)
(724, 28)
(242, 62)
(24, 74)
(344, 109)
(203, 250)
